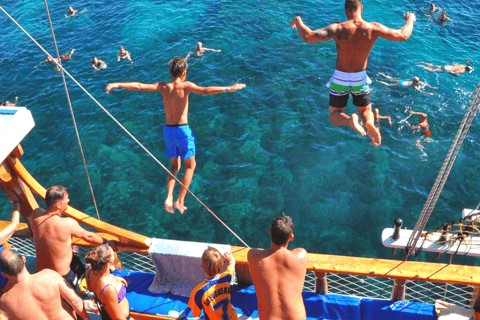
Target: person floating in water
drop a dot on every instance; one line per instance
(443, 17)
(71, 12)
(416, 84)
(199, 50)
(63, 57)
(423, 125)
(432, 9)
(180, 142)
(378, 117)
(354, 40)
(98, 64)
(124, 54)
(455, 69)
(9, 104)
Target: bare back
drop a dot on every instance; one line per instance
(175, 100)
(278, 277)
(39, 297)
(354, 40)
(53, 241)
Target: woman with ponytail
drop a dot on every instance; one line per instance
(109, 290)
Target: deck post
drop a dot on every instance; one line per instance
(321, 284)
(476, 305)
(398, 291)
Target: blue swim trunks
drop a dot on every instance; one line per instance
(180, 141)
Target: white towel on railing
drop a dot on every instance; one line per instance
(178, 265)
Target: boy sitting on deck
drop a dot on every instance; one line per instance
(213, 294)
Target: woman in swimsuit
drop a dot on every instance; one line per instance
(109, 290)
(98, 64)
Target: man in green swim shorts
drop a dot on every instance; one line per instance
(354, 39)
(180, 140)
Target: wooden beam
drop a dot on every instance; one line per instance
(384, 268)
(129, 238)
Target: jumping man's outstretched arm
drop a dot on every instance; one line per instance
(396, 34)
(309, 36)
(137, 86)
(192, 87)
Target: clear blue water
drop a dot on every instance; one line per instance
(267, 149)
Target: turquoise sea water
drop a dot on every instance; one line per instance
(267, 149)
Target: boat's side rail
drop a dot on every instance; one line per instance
(345, 280)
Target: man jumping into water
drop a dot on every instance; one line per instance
(180, 142)
(354, 39)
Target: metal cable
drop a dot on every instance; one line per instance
(124, 129)
(443, 174)
(71, 111)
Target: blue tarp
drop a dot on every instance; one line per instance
(396, 310)
(323, 307)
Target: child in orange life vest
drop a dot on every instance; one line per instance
(213, 294)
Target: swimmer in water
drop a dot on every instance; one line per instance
(71, 12)
(455, 69)
(9, 104)
(416, 84)
(63, 57)
(443, 17)
(199, 50)
(377, 117)
(124, 54)
(433, 8)
(98, 64)
(423, 125)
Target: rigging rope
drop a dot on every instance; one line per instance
(443, 174)
(122, 127)
(71, 111)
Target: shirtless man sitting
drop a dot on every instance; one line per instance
(278, 274)
(354, 40)
(53, 234)
(40, 296)
(455, 69)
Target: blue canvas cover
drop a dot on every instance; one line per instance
(373, 309)
(244, 299)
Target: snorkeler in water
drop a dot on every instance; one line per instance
(63, 57)
(455, 69)
(199, 50)
(415, 83)
(423, 125)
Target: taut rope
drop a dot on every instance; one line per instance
(123, 128)
(71, 111)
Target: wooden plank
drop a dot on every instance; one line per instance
(384, 268)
